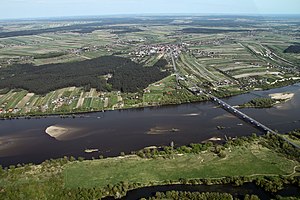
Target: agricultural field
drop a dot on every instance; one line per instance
(62, 101)
(227, 58)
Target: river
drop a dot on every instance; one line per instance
(112, 132)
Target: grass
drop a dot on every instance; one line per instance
(87, 103)
(241, 161)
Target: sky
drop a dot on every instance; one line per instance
(57, 8)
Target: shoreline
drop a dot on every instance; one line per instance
(78, 113)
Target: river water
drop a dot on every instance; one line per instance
(112, 132)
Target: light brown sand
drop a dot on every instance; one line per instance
(63, 132)
(282, 96)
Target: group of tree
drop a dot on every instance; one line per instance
(295, 135)
(262, 102)
(196, 148)
(168, 151)
(177, 195)
(293, 49)
(128, 76)
(278, 144)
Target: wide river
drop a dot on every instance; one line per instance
(112, 132)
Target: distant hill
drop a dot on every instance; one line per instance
(127, 76)
(293, 49)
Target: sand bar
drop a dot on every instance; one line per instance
(160, 130)
(282, 96)
(62, 132)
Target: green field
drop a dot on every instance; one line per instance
(241, 161)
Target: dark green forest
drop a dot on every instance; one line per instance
(262, 102)
(292, 49)
(128, 76)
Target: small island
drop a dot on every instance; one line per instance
(161, 130)
(62, 133)
(268, 102)
(91, 150)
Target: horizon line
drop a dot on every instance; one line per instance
(149, 15)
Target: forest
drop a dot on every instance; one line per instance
(292, 49)
(127, 75)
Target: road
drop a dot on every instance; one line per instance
(197, 90)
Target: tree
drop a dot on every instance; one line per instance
(72, 158)
(251, 197)
(80, 159)
(222, 154)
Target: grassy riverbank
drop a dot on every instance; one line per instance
(238, 161)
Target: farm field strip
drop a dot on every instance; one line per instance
(254, 74)
(200, 70)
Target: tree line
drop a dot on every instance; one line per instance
(197, 195)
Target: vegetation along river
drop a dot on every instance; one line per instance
(235, 191)
(112, 132)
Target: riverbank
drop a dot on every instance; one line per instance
(238, 161)
(82, 113)
(256, 161)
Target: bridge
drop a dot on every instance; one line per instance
(195, 89)
(241, 115)
(247, 118)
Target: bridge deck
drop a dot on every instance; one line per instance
(241, 115)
